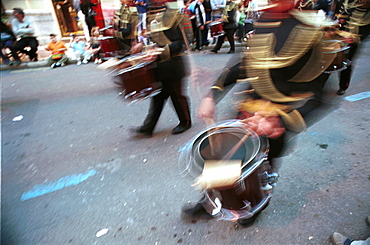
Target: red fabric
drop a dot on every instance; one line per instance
(99, 18)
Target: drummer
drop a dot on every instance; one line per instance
(126, 20)
(355, 19)
(273, 81)
(165, 33)
(230, 23)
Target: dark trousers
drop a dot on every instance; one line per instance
(9, 44)
(229, 33)
(345, 75)
(172, 89)
(24, 42)
(199, 36)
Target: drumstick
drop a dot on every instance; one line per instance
(212, 138)
(236, 147)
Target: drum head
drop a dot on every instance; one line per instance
(216, 143)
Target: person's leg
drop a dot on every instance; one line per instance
(4, 56)
(230, 38)
(220, 41)
(155, 110)
(20, 45)
(86, 56)
(63, 60)
(78, 56)
(198, 38)
(10, 45)
(346, 74)
(33, 44)
(181, 105)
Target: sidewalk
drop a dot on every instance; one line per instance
(43, 56)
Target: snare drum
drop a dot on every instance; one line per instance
(109, 46)
(137, 80)
(107, 31)
(252, 191)
(216, 29)
(340, 61)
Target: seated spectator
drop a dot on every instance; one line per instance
(7, 41)
(95, 44)
(24, 30)
(58, 57)
(80, 50)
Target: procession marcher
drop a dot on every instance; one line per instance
(170, 70)
(353, 17)
(126, 21)
(217, 11)
(283, 68)
(24, 29)
(230, 24)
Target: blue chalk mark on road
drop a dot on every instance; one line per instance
(357, 97)
(39, 190)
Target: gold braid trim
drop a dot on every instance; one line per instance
(300, 40)
(322, 56)
(260, 58)
(160, 22)
(357, 19)
(275, 24)
(166, 54)
(293, 121)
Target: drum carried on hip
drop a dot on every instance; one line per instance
(216, 28)
(227, 143)
(136, 78)
(107, 31)
(340, 61)
(110, 47)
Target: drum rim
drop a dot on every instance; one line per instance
(235, 125)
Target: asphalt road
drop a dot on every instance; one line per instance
(72, 173)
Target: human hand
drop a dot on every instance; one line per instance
(137, 48)
(207, 110)
(151, 55)
(270, 126)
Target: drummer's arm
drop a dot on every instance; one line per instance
(228, 78)
(176, 46)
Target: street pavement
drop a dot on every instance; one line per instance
(73, 173)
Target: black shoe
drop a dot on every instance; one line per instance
(180, 128)
(341, 92)
(142, 132)
(196, 211)
(214, 51)
(231, 52)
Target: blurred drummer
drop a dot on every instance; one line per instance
(230, 23)
(170, 69)
(284, 82)
(126, 20)
(354, 18)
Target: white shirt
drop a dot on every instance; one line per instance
(24, 28)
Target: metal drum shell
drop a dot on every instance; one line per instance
(216, 29)
(109, 46)
(340, 61)
(191, 160)
(138, 81)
